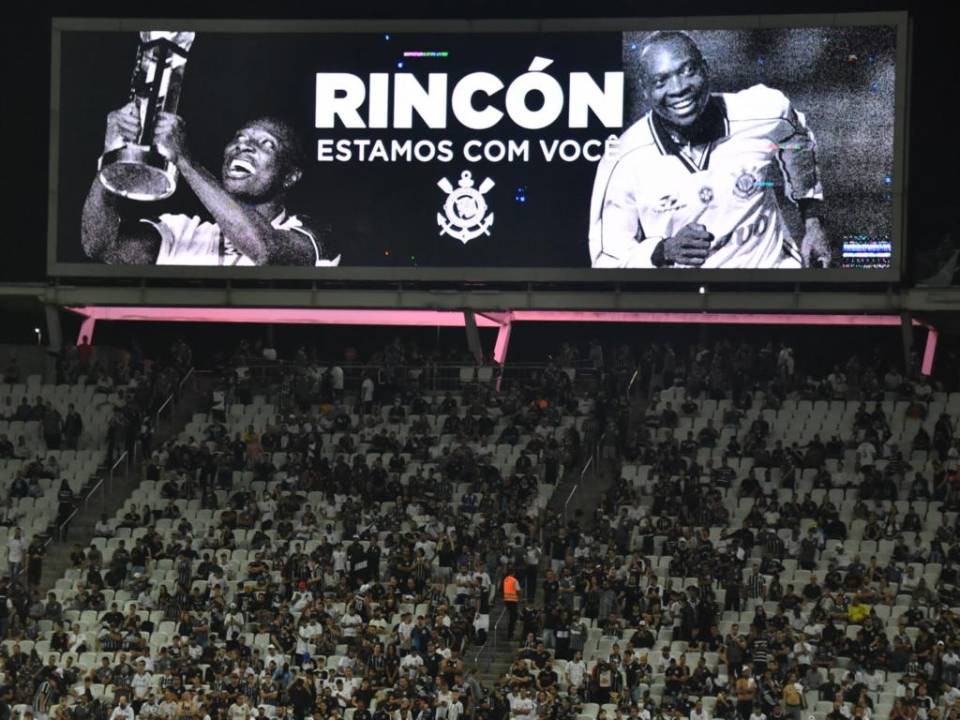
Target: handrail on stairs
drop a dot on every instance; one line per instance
(491, 634)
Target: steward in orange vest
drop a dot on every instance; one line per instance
(511, 600)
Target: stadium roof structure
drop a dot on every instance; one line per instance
(503, 321)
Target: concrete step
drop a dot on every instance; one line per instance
(494, 661)
(109, 498)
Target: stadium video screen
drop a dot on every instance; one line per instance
(479, 152)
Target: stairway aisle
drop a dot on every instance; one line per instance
(496, 658)
(110, 499)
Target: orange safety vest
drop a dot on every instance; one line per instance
(510, 593)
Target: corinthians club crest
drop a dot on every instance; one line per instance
(464, 213)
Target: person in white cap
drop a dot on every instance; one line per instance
(273, 656)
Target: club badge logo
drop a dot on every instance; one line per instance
(464, 213)
(745, 185)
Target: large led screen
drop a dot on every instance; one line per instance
(759, 148)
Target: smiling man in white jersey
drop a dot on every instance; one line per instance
(250, 223)
(691, 183)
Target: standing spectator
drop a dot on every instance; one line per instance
(336, 382)
(35, 555)
(786, 364)
(46, 696)
(576, 674)
(793, 700)
(366, 393)
(454, 707)
(732, 583)
(65, 504)
(15, 548)
(756, 585)
(595, 354)
(746, 691)
(52, 427)
(511, 600)
(141, 683)
(116, 433)
(72, 428)
(300, 697)
(146, 436)
(5, 605)
(532, 557)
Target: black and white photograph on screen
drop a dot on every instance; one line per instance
(396, 180)
(146, 150)
(749, 149)
(568, 153)
(250, 223)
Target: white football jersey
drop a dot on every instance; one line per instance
(187, 240)
(650, 187)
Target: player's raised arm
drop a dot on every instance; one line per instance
(102, 232)
(248, 227)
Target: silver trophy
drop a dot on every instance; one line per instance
(139, 170)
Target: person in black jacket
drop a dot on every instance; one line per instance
(301, 698)
(4, 611)
(65, 504)
(72, 428)
(35, 554)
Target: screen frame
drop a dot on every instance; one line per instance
(494, 275)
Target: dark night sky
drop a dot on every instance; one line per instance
(26, 47)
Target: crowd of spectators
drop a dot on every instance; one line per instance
(732, 573)
(335, 556)
(133, 388)
(341, 552)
